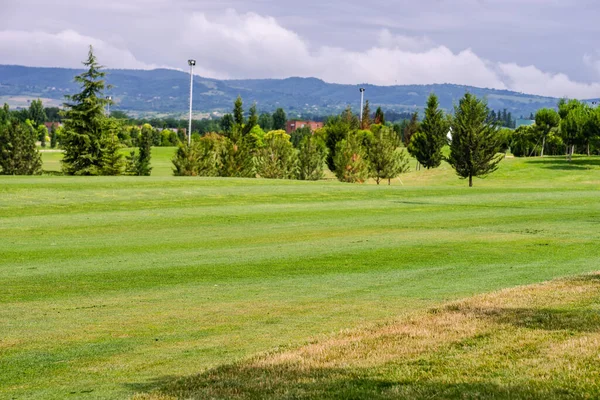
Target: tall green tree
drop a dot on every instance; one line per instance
(4, 114)
(42, 132)
(227, 124)
(365, 122)
(279, 119)
(53, 137)
(238, 111)
(37, 114)
(266, 122)
(379, 116)
(311, 158)
(351, 160)
(411, 128)
(84, 121)
(337, 129)
(18, 153)
(475, 140)
(252, 120)
(546, 120)
(385, 159)
(427, 143)
(112, 158)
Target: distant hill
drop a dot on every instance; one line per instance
(164, 91)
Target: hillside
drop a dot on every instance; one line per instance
(166, 91)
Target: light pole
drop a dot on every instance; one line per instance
(108, 101)
(191, 63)
(362, 97)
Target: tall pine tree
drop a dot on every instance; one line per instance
(84, 119)
(475, 140)
(366, 116)
(426, 145)
(385, 159)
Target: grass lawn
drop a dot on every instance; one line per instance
(113, 286)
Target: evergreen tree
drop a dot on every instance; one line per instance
(238, 111)
(266, 122)
(475, 141)
(4, 115)
(379, 116)
(186, 161)
(279, 120)
(351, 162)
(311, 158)
(112, 159)
(277, 159)
(18, 153)
(84, 122)
(366, 116)
(385, 159)
(336, 129)
(36, 112)
(411, 128)
(237, 159)
(426, 145)
(145, 151)
(227, 124)
(252, 120)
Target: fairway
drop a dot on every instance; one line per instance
(114, 286)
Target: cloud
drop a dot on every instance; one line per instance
(64, 49)
(229, 45)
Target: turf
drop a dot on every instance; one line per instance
(113, 286)
(535, 342)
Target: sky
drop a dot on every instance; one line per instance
(545, 47)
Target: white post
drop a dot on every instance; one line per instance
(191, 63)
(362, 97)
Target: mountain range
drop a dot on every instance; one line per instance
(166, 92)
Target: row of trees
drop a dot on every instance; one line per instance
(574, 128)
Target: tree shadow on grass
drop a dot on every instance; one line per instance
(296, 381)
(563, 164)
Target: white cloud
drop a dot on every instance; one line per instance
(64, 49)
(249, 45)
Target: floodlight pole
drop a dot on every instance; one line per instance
(191, 63)
(109, 99)
(362, 98)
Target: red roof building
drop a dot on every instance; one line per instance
(291, 126)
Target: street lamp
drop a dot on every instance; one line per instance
(191, 63)
(362, 97)
(108, 101)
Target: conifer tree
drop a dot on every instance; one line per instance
(37, 114)
(252, 120)
(351, 162)
(379, 116)
(227, 124)
(426, 144)
(385, 159)
(112, 159)
(279, 119)
(84, 122)
(366, 116)
(311, 158)
(53, 137)
(18, 153)
(278, 159)
(186, 161)
(42, 132)
(475, 140)
(411, 128)
(238, 112)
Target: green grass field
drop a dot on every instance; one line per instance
(114, 286)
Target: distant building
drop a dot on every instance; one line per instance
(291, 126)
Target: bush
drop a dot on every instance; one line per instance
(277, 159)
(351, 163)
(311, 158)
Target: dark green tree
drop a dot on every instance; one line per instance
(279, 119)
(427, 143)
(42, 132)
(227, 124)
(4, 114)
(138, 163)
(336, 129)
(53, 137)
(475, 140)
(238, 111)
(252, 120)
(410, 129)
(379, 116)
(385, 159)
(84, 122)
(18, 153)
(37, 115)
(265, 121)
